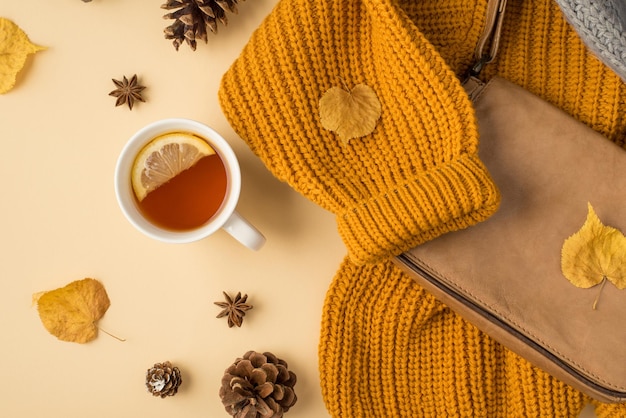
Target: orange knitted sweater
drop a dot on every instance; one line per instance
(388, 348)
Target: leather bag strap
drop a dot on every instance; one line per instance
(489, 41)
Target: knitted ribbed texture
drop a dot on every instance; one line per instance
(390, 349)
(602, 27)
(541, 52)
(416, 176)
(609, 410)
(387, 348)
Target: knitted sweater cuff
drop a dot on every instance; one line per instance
(447, 198)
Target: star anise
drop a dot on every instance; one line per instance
(235, 309)
(127, 91)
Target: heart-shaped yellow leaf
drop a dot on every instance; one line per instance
(351, 114)
(70, 313)
(595, 254)
(14, 49)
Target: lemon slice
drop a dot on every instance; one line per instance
(165, 157)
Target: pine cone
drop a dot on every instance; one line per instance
(193, 17)
(163, 380)
(258, 386)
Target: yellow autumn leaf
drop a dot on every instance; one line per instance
(70, 313)
(595, 254)
(14, 49)
(351, 114)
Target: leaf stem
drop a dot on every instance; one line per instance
(115, 336)
(595, 303)
(345, 85)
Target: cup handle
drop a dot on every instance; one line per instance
(243, 231)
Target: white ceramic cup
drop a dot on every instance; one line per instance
(225, 218)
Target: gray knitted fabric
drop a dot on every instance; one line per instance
(600, 24)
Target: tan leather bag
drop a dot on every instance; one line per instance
(504, 275)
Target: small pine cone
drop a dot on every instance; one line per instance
(258, 386)
(163, 380)
(193, 17)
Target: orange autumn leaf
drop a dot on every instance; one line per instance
(70, 313)
(351, 114)
(594, 255)
(14, 49)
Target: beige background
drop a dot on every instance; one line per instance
(60, 136)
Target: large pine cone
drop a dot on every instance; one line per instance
(193, 17)
(163, 379)
(258, 386)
